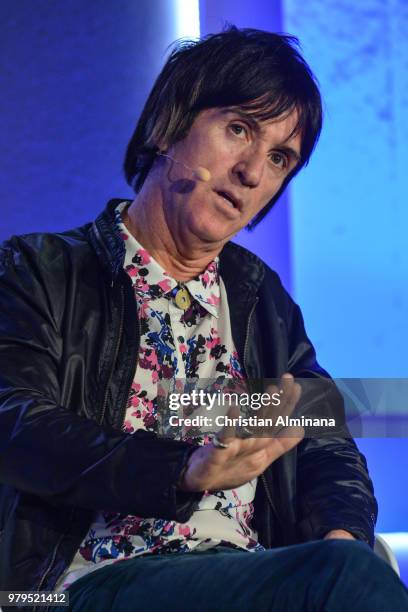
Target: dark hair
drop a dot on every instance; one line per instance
(233, 68)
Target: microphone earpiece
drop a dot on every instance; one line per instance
(200, 173)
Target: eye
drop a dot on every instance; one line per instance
(279, 159)
(238, 129)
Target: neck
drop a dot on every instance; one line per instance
(183, 259)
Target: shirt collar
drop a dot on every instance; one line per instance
(205, 288)
(151, 281)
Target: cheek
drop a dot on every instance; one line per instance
(263, 198)
(218, 150)
(272, 187)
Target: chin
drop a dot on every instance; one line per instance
(213, 233)
(213, 229)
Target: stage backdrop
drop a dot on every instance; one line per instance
(349, 213)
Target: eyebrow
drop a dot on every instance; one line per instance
(255, 125)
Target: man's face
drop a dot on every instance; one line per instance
(248, 161)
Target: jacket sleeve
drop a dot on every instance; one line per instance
(45, 448)
(333, 484)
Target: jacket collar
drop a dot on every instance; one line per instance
(241, 270)
(107, 241)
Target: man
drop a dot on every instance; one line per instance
(94, 319)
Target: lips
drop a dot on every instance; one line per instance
(229, 197)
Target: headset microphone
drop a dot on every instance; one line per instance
(200, 173)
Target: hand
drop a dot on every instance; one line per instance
(339, 534)
(210, 468)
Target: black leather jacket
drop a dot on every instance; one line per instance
(69, 344)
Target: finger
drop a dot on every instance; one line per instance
(285, 390)
(279, 398)
(228, 432)
(283, 400)
(294, 395)
(291, 392)
(268, 411)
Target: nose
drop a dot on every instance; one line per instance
(250, 167)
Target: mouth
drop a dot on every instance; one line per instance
(232, 201)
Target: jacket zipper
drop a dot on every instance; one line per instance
(263, 479)
(247, 333)
(103, 245)
(100, 422)
(130, 378)
(115, 355)
(269, 498)
(51, 563)
(122, 308)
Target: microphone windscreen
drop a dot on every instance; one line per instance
(202, 174)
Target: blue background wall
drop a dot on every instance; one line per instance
(74, 77)
(349, 216)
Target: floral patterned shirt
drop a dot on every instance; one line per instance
(174, 344)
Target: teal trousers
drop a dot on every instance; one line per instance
(330, 576)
